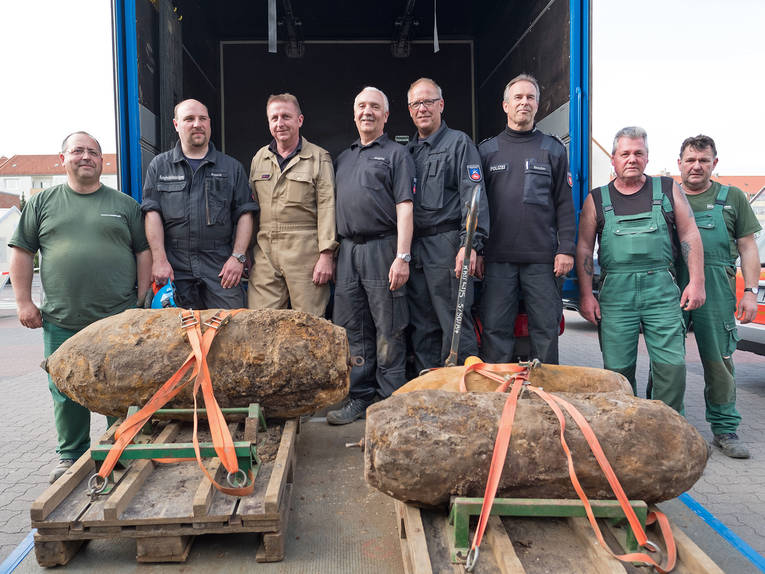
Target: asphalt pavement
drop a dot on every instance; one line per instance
(731, 490)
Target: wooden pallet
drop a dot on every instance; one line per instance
(164, 506)
(529, 546)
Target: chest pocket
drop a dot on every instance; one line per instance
(705, 220)
(537, 181)
(217, 200)
(300, 189)
(172, 200)
(637, 235)
(375, 175)
(433, 186)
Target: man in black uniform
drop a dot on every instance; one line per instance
(198, 215)
(532, 222)
(374, 180)
(443, 159)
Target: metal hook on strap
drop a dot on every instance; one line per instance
(471, 559)
(233, 478)
(218, 320)
(93, 484)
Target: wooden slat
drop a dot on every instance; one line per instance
(284, 459)
(412, 537)
(690, 556)
(502, 547)
(163, 549)
(56, 553)
(119, 499)
(601, 561)
(63, 487)
(204, 494)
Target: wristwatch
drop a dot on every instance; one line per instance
(404, 256)
(241, 257)
(754, 290)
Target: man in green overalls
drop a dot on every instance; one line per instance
(727, 226)
(636, 219)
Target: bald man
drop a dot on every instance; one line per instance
(198, 216)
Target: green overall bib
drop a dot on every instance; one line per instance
(638, 289)
(714, 323)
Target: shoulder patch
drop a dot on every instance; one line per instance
(474, 172)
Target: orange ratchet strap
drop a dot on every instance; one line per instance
(519, 379)
(197, 359)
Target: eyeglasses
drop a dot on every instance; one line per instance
(427, 103)
(80, 151)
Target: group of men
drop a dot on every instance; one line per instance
(387, 224)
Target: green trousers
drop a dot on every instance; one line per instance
(714, 326)
(651, 300)
(72, 419)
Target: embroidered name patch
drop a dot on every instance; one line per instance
(172, 177)
(498, 167)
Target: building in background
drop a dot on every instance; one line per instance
(30, 174)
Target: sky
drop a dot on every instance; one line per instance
(675, 67)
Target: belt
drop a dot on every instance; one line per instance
(200, 244)
(436, 229)
(371, 237)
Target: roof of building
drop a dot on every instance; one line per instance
(9, 200)
(48, 164)
(749, 184)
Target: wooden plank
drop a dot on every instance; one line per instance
(691, 557)
(601, 561)
(204, 494)
(120, 497)
(502, 547)
(63, 487)
(56, 553)
(163, 548)
(414, 546)
(253, 508)
(284, 459)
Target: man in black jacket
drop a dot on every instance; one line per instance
(533, 226)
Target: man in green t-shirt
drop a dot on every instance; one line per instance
(727, 226)
(95, 262)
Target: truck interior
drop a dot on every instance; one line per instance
(222, 53)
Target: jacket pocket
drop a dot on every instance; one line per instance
(433, 186)
(537, 181)
(217, 199)
(376, 175)
(300, 189)
(172, 200)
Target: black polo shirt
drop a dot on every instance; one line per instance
(370, 180)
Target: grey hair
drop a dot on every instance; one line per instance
(373, 89)
(520, 78)
(425, 81)
(66, 140)
(631, 132)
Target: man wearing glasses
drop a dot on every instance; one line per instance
(199, 215)
(448, 169)
(95, 262)
(532, 222)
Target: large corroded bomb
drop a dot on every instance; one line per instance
(290, 362)
(424, 444)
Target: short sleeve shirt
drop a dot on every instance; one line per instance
(370, 180)
(739, 218)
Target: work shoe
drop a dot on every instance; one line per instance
(352, 409)
(730, 445)
(61, 468)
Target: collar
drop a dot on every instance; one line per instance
(209, 158)
(379, 141)
(516, 134)
(272, 147)
(433, 138)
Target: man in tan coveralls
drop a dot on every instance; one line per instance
(294, 183)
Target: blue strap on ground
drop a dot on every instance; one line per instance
(733, 538)
(18, 554)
